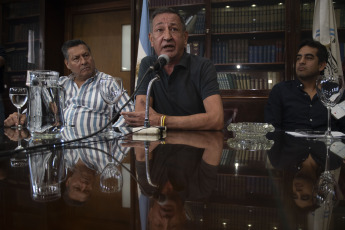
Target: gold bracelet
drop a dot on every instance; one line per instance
(162, 123)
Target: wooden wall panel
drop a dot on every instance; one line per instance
(102, 32)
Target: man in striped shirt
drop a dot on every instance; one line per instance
(87, 160)
(84, 106)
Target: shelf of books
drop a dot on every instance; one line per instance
(241, 197)
(248, 44)
(174, 3)
(21, 18)
(248, 80)
(243, 16)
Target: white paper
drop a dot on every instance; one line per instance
(305, 134)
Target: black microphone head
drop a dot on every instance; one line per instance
(162, 60)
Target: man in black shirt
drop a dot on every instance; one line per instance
(187, 96)
(294, 104)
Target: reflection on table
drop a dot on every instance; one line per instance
(185, 180)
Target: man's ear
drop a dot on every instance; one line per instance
(151, 38)
(66, 63)
(322, 66)
(185, 37)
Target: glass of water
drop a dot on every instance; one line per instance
(18, 97)
(111, 92)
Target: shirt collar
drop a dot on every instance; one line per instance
(184, 60)
(72, 76)
(299, 84)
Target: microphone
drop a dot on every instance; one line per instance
(162, 60)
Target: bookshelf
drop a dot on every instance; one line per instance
(44, 20)
(255, 45)
(245, 193)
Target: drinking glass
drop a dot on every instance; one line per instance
(18, 97)
(327, 186)
(111, 92)
(46, 169)
(111, 179)
(330, 89)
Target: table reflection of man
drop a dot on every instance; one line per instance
(305, 160)
(15, 134)
(85, 162)
(183, 168)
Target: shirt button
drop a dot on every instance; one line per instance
(311, 106)
(310, 119)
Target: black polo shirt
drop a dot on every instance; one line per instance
(182, 93)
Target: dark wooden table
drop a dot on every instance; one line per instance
(185, 180)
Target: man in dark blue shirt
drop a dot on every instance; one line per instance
(294, 104)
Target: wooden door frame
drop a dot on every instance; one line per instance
(71, 12)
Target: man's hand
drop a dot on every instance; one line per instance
(138, 118)
(13, 120)
(139, 148)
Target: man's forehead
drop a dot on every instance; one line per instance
(171, 19)
(307, 50)
(77, 50)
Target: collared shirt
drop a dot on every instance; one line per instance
(289, 107)
(96, 153)
(85, 108)
(181, 93)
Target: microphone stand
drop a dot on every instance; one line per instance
(152, 133)
(148, 93)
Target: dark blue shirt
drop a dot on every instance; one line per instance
(290, 108)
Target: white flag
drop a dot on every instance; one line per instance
(325, 31)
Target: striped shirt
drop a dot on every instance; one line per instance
(85, 108)
(95, 153)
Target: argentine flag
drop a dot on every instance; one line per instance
(325, 31)
(144, 47)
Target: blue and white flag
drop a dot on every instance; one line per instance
(144, 47)
(325, 31)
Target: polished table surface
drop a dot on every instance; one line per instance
(183, 180)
